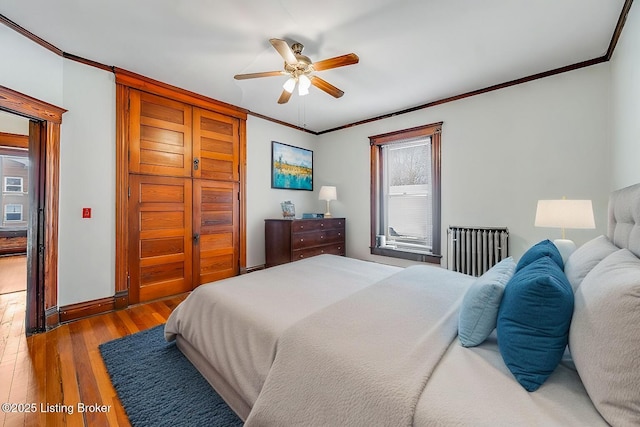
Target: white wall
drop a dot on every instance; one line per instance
(625, 104)
(86, 247)
(29, 68)
(87, 160)
(263, 201)
(501, 152)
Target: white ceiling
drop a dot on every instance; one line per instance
(412, 52)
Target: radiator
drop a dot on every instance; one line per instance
(474, 250)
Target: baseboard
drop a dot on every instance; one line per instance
(51, 318)
(81, 310)
(121, 299)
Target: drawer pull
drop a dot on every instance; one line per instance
(302, 240)
(322, 237)
(322, 224)
(322, 251)
(301, 256)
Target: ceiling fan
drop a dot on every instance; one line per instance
(300, 70)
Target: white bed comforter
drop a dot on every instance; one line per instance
(364, 360)
(235, 323)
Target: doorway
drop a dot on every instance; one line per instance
(42, 225)
(14, 202)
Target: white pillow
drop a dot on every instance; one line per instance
(586, 257)
(604, 338)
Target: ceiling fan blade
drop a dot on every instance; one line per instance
(284, 50)
(284, 97)
(326, 86)
(256, 75)
(338, 61)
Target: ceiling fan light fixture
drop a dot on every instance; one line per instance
(301, 70)
(289, 85)
(303, 85)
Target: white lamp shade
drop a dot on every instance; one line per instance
(328, 192)
(565, 214)
(289, 85)
(303, 85)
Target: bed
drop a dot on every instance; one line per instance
(336, 341)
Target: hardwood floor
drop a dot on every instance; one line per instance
(63, 367)
(13, 273)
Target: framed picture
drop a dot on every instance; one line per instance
(288, 210)
(291, 167)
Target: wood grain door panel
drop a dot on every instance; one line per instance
(160, 135)
(160, 248)
(215, 221)
(216, 146)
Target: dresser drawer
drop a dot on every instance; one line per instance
(315, 238)
(316, 224)
(334, 249)
(292, 240)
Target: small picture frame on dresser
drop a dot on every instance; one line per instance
(288, 210)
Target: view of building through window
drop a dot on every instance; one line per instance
(14, 199)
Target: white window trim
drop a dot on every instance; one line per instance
(6, 211)
(6, 184)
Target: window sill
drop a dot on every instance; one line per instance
(406, 254)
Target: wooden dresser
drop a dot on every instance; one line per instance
(289, 240)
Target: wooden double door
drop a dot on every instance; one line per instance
(184, 192)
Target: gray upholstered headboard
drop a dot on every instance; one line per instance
(624, 218)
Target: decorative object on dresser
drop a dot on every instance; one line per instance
(291, 167)
(328, 193)
(565, 214)
(292, 240)
(474, 250)
(288, 210)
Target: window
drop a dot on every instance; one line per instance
(405, 194)
(13, 213)
(13, 184)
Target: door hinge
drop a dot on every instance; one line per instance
(128, 281)
(129, 192)
(128, 104)
(238, 195)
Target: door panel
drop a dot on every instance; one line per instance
(159, 135)
(216, 217)
(160, 244)
(216, 146)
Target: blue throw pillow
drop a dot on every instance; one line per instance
(546, 248)
(479, 310)
(533, 321)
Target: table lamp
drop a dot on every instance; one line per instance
(565, 214)
(328, 193)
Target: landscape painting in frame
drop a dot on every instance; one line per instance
(291, 167)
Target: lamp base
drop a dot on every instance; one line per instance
(565, 247)
(327, 214)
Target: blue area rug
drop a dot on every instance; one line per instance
(158, 386)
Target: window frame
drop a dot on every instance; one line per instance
(6, 211)
(376, 142)
(6, 184)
